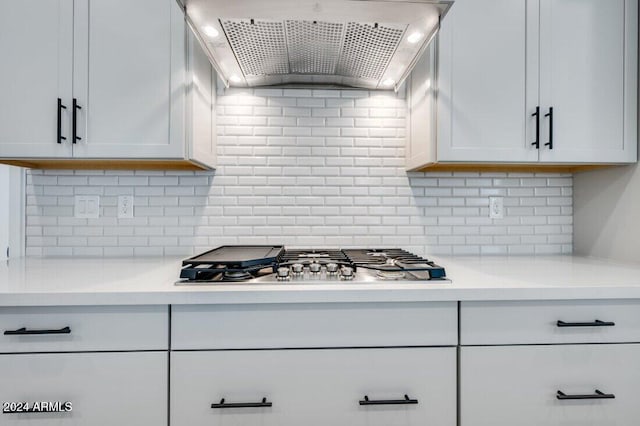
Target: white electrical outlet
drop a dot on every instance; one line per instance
(496, 207)
(87, 206)
(125, 207)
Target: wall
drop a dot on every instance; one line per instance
(4, 211)
(607, 210)
(303, 168)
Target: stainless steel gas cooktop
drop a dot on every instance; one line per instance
(277, 265)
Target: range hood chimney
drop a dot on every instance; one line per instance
(371, 44)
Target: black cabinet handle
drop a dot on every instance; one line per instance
(60, 108)
(406, 400)
(74, 116)
(537, 116)
(550, 115)
(222, 404)
(24, 331)
(596, 323)
(597, 395)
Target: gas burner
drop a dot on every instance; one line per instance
(314, 255)
(390, 275)
(377, 254)
(395, 260)
(236, 276)
(307, 256)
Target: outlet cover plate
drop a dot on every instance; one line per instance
(125, 207)
(496, 207)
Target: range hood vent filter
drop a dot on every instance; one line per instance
(368, 50)
(314, 47)
(306, 47)
(259, 46)
(371, 44)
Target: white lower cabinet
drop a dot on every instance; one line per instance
(549, 322)
(319, 325)
(83, 328)
(314, 387)
(101, 389)
(521, 385)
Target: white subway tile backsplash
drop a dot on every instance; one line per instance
(304, 168)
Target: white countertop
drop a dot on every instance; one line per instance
(109, 281)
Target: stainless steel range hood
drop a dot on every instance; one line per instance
(354, 43)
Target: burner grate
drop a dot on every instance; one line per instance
(381, 256)
(305, 257)
(391, 260)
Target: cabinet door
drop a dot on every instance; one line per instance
(129, 78)
(315, 387)
(103, 389)
(488, 81)
(422, 111)
(83, 328)
(588, 62)
(201, 107)
(518, 385)
(319, 325)
(36, 46)
(549, 322)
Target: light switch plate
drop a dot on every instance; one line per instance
(125, 207)
(87, 206)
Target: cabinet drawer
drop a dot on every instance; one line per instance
(103, 389)
(495, 323)
(313, 325)
(80, 328)
(519, 385)
(315, 387)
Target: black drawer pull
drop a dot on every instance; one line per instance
(406, 400)
(222, 404)
(597, 395)
(23, 331)
(596, 323)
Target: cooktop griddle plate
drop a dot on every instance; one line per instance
(238, 256)
(230, 260)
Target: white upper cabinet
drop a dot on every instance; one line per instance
(588, 76)
(485, 98)
(200, 105)
(36, 45)
(121, 72)
(549, 83)
(125, 56)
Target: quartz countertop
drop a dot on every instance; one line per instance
(112, 281)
